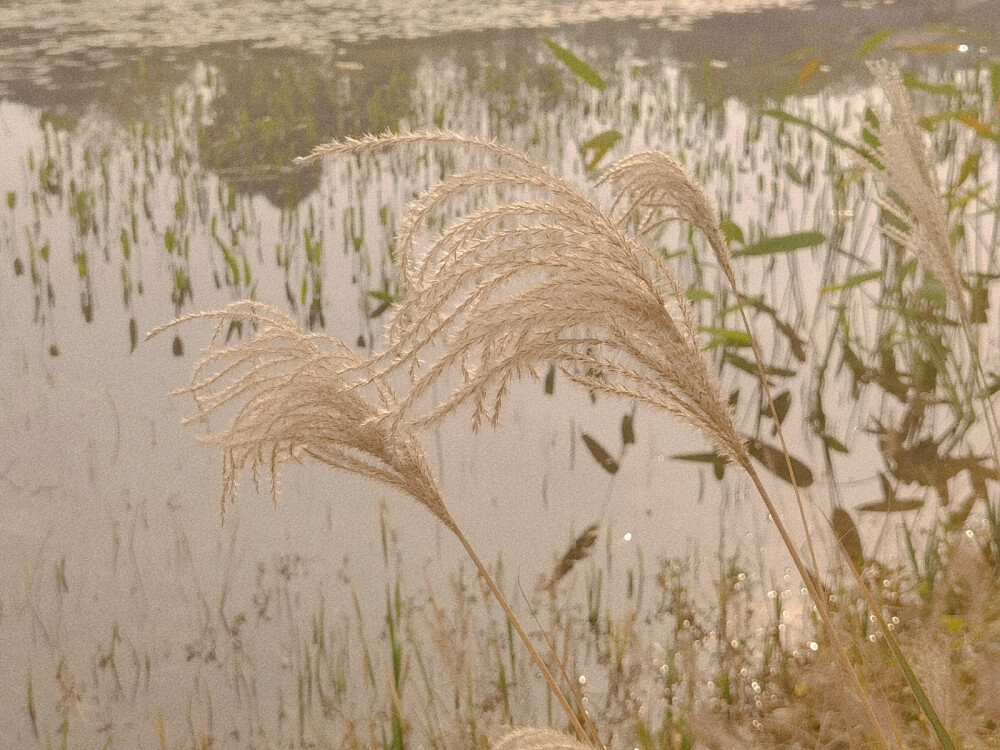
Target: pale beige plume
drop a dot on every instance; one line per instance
(297, 393)
(913, 198)
(549, 277)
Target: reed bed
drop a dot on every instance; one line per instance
(565, 277)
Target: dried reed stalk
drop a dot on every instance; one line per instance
(657, 189)
(553, 278)
(295, 394)
(547, 278)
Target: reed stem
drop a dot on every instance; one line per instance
(581, 733)
(820, 601)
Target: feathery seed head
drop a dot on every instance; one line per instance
(659, 189)
(301, 394)
(915, 200)
(550, 278)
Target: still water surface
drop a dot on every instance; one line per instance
(146, 151)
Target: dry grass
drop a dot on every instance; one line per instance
(548, 279)
(548, 276)
(296, 394)
(913, 198)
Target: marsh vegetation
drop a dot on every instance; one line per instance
(821, 242)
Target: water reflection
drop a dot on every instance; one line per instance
(163, 188)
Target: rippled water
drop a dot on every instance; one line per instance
(64, 28)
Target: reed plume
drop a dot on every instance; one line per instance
(550, 278)
(657, 189)
(913, 199)
(553, 278)
(298, 393)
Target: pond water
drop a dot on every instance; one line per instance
(147, 174)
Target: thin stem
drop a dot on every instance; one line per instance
(814, 592)
(901, 660)
(512, 618)
(982, 387)
(820, 602)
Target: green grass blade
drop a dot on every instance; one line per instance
(853, 281)
(600, 144)
(918, 692)
(873, 42)
(784, 244)
(575, 64)
(781, 116)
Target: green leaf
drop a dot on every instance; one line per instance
(911, 81)
(869, 130)
(873, 41)
(126, 244)
(628, 429)
(726, 337)
(133, 334)
(808, 70)
(853, 281)
(980, 303)
(750, 367)
(732, 231)
(600, 454)
(970, 166)
(696, 295)
(847, 534)
(782, 403)
(600, 144)
(793, 174)
(386, 300)
(959, 202)
(575, 64)
(782, 116)
(832, 443)
(773, 459)
(579, 550)
(784, 244)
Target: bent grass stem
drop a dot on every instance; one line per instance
(516, 623)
